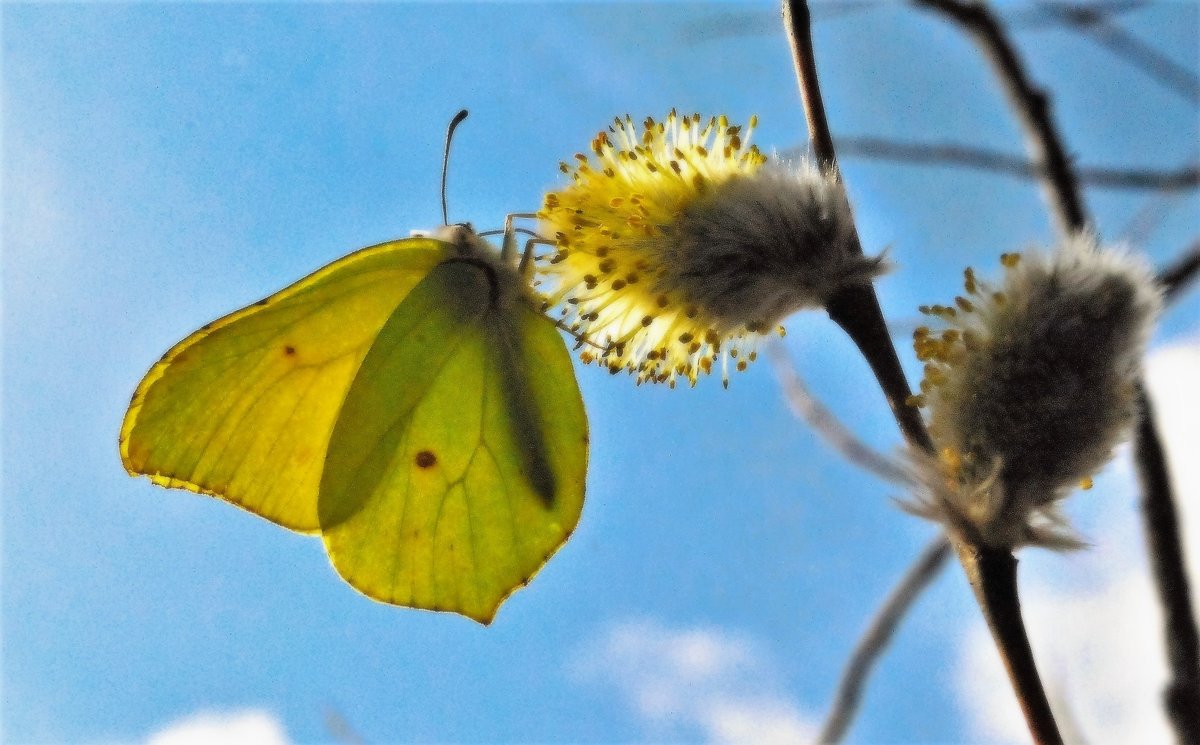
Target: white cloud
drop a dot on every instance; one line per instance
(1171, 374)
(763, 720)
(1093, 617)
(231, 728)
(699, 680)
(1100, 656)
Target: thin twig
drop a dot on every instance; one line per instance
(984, 159)
(744, 23)
(1139, 228)
(1165, 544)
(1156, 65)
(878, 635)
(808, 408)
(1181, 696)
(1030, 105)
(855, 308)
(1039, 16)
(1176, 278)
(992, 573)
(797, 22)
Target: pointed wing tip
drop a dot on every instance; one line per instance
(482, 617)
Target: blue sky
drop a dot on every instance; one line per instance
(165, 164)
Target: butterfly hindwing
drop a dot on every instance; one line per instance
(456, 467)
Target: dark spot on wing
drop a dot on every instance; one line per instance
(426, 459)
(261, 303)
(289, 350)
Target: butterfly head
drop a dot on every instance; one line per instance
(471, 247)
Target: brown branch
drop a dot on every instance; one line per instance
(1153, 63)
(969, 156)
(1030, 105)
(797, 22)
(1160, 521)
(1165, 544)
(878, 635)
(1045, 14)
(992, 573)
(1176, 278)
(855, 308)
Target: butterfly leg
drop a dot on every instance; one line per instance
(525, 268)
(508, 248)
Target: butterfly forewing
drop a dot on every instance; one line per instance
(243, 408)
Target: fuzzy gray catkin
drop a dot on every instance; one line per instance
(1029, 388)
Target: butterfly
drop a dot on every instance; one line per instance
(409, 403)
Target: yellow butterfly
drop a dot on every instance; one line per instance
(408, 402)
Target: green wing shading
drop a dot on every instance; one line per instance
(243, 408)
(456, 467)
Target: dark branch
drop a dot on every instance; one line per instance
(1153, 63)
(878, 635)
(856, 308)
(798, 23)
(1176, 278)
(992, 573)
(1182, 694)
(1048, 14)
(935, 153)
(1031, 106)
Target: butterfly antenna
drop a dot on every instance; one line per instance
(446, 158)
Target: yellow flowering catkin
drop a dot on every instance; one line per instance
(679, 244)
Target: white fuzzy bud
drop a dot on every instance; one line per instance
(754, 249)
